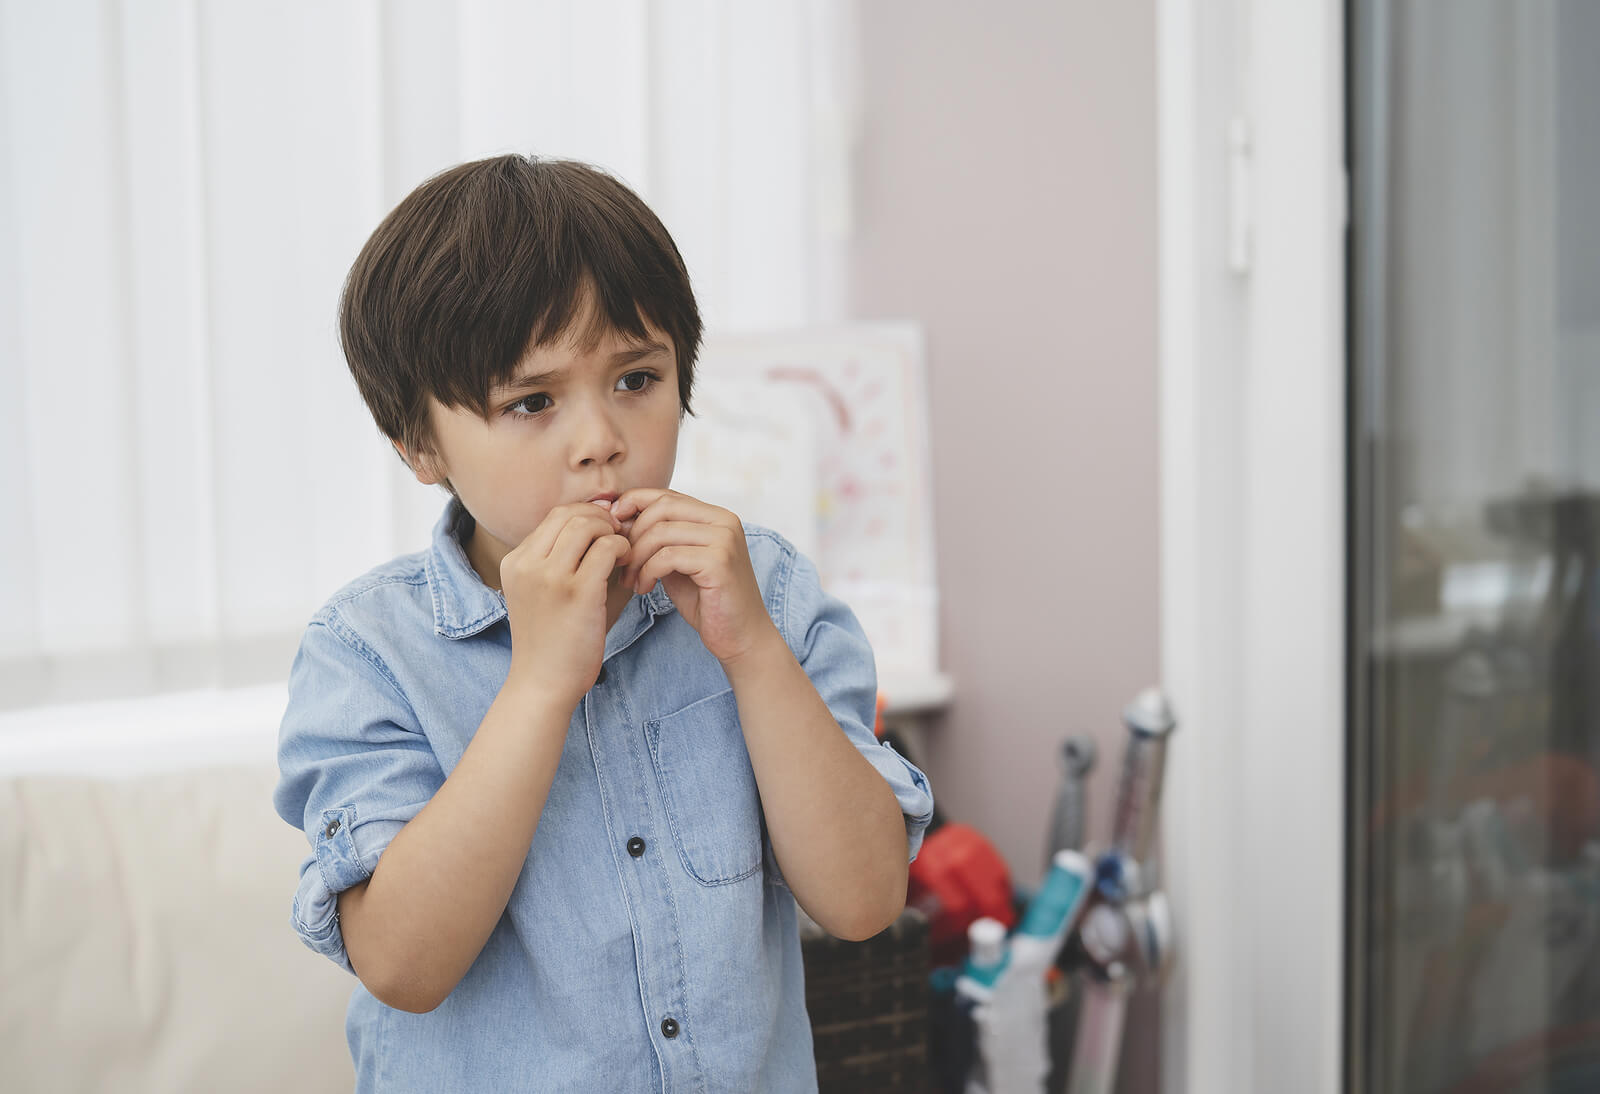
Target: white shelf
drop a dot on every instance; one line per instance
(915, 693)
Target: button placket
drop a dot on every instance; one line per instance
(642, 887)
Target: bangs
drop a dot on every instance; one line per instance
(491, 259)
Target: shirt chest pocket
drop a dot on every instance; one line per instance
(709, 789)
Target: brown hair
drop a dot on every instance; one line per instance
(489, 259)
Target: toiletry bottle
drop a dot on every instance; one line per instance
(1011, 1011)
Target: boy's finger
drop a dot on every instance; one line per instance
(678, 559)
(681, 507)
(665, 534)
(602, 558)
(543, 538)
(574, 540)
(632, 502)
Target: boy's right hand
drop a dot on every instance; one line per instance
(555, 584)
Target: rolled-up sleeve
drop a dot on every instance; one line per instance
(828, 641)
(354, 767)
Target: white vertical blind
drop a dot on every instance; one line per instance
(186, 468)
(1482, 405)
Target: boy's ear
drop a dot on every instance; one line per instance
(421, 465)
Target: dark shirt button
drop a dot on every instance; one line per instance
(669, 1028)
(333, 827)
(636, 847)
(598, 680)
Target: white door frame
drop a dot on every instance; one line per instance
(1252, 212)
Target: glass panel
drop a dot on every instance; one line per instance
(1475, 621)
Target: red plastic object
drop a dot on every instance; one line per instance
(957, 877)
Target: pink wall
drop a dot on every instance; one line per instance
(1007, 201)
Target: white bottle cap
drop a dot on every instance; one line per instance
(987, 937)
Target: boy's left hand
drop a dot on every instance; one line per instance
(698, 552)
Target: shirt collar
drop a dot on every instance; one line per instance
(463, 605)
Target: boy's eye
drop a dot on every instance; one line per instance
(634, 383)
(525, 403)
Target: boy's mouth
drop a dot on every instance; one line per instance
(606, 501)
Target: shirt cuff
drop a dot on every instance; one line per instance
(911, 790)
(338, 866)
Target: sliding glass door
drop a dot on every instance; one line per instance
(1474, 294)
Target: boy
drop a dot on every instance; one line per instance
(566, 773)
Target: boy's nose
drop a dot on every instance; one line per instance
(597, 441)
(600, 455)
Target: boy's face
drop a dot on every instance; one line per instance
(583, 422)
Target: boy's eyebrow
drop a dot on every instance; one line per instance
(553, 376)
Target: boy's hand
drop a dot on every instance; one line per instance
(555, 587)
(698, 552)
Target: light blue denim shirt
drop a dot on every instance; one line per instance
(649, 943)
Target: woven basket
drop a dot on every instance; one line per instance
(868, 1003)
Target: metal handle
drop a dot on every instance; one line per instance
(1150, 723)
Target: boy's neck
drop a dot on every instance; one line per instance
(617, 597)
